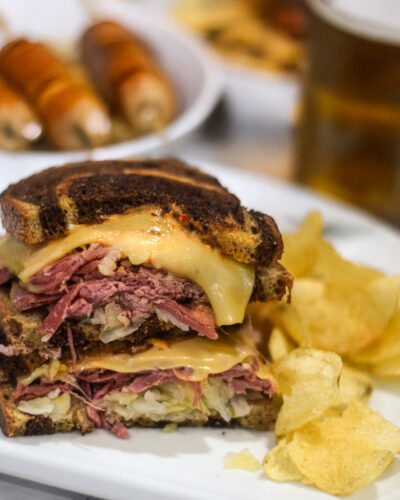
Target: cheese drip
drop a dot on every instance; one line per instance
(147, 238)
(204, 356)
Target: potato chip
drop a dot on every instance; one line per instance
(279, 344)
(279, 466)
(307, 254)
(265, 315)
(170, 427)
(387, 347)
(387, 368)
(329, 265)
(343, 318)
(243, 460)
(288, 319)
(308, 380)
(340, 454)
(354, 384)
(300, 247)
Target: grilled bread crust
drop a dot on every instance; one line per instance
(16, 423)
(42, 206)
(13, 422)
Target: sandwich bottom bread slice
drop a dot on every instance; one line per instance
(261, 416)
(195, 381)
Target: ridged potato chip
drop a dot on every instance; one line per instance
(343, 318)
(354, 384)
(340, 454)
(243, 460)
(329, 265)
(381, 357)
(388, 368)
(307, 254)
(308, 380)
(288, 319)
(279, 466)
(301, 246)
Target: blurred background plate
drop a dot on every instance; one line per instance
(198, 86)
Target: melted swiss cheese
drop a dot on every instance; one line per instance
(204, 356)
(147, 238)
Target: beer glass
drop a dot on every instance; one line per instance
(348, 141)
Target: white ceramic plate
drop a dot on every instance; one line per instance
(192, 69)
(188, 463)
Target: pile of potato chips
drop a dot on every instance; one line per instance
(335, 305)
(326, 436)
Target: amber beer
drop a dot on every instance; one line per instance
(348, 142)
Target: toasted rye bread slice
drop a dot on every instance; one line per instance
(262, 417)
(16, 423)
(42, 206)
(13, 422)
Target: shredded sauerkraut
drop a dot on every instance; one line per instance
(116, 325)
(174, 402)
(53, 405)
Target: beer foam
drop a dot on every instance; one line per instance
(374, 19)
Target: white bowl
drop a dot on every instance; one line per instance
(192, 69)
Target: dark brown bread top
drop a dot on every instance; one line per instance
(40, 207)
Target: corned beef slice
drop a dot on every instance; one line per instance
(197, 392)
(97, 383)
(101, 382)
(199, 318)
(5, 275)
(238, 378)
(23, 392)
(74, 288)
(120, 430)
(54, 276)
(148, 379)
(24, 300)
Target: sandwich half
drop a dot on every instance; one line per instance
(123, 297)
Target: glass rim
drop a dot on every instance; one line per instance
(352, 24)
